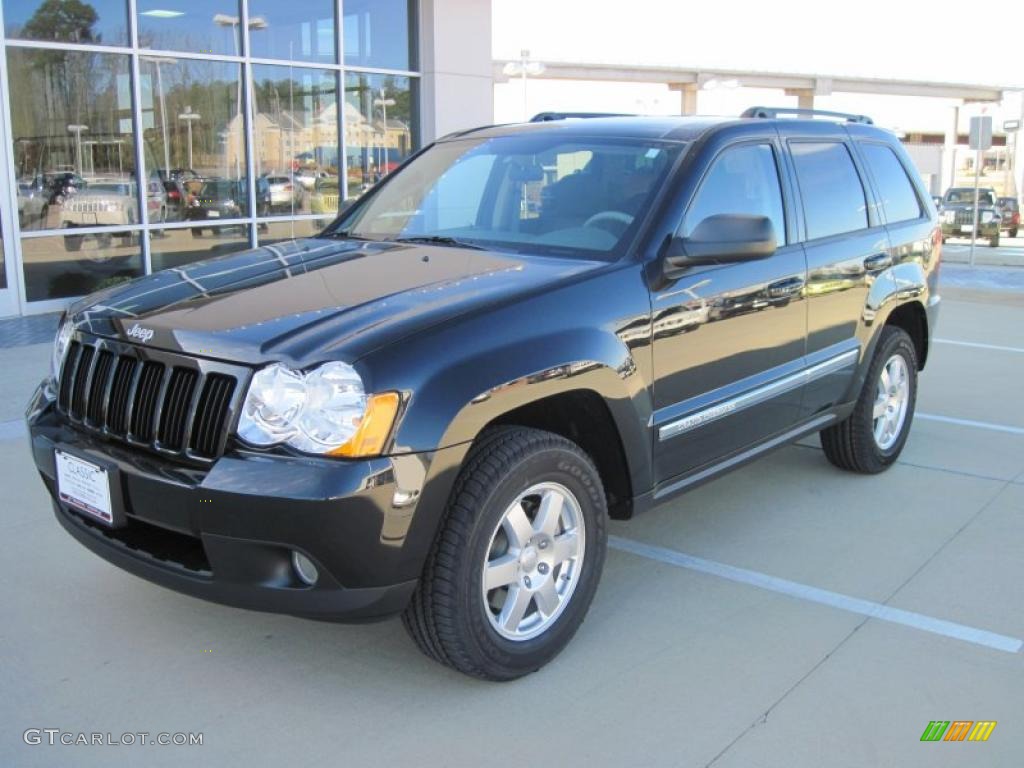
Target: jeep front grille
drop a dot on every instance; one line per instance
(171, 404)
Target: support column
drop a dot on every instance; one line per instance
(804, 97)
(457, 86)
(949, 150)
(687, 97)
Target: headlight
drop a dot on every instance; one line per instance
(60, 346)
(949, 215)
(987, 216)
(324, 411)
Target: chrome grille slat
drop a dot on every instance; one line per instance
(78, 390)
(96, 406)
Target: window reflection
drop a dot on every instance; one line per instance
(72, 125)
(377, 33)
(98, 22)
(74, 265)
(3, 264)
(379, 122)
(296, 30)
(194, 138)
(295, 128)
(177, 247)
(197, 26)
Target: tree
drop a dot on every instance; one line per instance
(65, 20)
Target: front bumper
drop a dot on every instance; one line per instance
(952, 229)
(227, 533)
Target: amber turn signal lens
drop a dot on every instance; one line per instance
(374, 427)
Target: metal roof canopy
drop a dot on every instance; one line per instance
(820, 85)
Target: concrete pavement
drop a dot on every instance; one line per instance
(674, 666)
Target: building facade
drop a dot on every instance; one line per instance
(140, 135)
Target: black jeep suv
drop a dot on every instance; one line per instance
(433, 407)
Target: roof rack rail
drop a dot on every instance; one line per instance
(544, 117)
(771, 113)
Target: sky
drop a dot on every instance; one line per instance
(870, 38)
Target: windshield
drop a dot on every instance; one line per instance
(967, 196)
(108, 189)
(546, 194)
(218, 190)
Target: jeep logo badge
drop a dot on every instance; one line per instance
(140, 333)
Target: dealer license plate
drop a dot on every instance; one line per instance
(84, 486)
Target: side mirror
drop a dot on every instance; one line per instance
(725, 238)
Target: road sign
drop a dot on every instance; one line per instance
(981, 132)
(1011, 125)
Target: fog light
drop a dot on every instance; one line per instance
(304, 568)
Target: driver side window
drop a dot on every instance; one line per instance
(742, 180)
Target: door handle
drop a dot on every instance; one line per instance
(877, 261)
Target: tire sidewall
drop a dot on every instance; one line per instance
(571, 470)
(894, 342)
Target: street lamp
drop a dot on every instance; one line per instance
(189, 117)
(522, 68)
(77, 129)
(224, 20)
(157, 61)
(384, 102)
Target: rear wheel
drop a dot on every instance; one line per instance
(1013, 232)
(871, 438)
(994, 241)
(517, 561)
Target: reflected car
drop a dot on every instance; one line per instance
(100, 204)
(284, 193)
(325, 197)
(218, 199)
(32, 201)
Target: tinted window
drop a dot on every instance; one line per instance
(742, 180)
(899, 201)
(832, 193)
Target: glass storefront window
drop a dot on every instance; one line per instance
(97, 22)
(177, 247)
(194, 138)
(72, 265)
(295, 131)
(376, 33)
(3, 264)
(283, 231)
(296, 30)
(74, 153)
(197, 26)
(380, 125)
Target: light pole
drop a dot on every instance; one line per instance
(189, 117)
(522, 68)
(157, 61)
(257, 22)
(384, 102)
(77, 129)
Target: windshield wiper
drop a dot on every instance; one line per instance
(341, 233)
(438, 240)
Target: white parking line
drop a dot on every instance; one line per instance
(823, 596)
(979, 345)
(970, 423)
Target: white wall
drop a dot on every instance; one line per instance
(455, 58)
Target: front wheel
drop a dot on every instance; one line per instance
(1013, 232)
(994, 241)
(871, 438)
(518, 558)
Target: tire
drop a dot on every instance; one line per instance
(1013, 232)
(852, 444)
(73, 242)
(993, 242)
(451, 617)
(197, 232)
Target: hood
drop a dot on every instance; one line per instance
(304, 301)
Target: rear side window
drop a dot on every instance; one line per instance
(745, 180)
(833, 196)
(899, 201)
